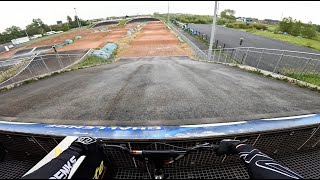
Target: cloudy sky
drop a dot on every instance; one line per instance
(22, 13)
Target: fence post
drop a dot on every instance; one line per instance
(58, 58)
(44, 64)
(244, 62)
(304, 67)
(29, 71)
(219, 55)
(278, 62)
(69, 58)
(260, 58)
(214, 55)
(231, 54)
(226, 54)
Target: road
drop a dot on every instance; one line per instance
(156, 91)
(231, 37)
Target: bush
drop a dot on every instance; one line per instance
(238, 25)
(286, 24)
(222, 21)
(308, 31)
(297, 28)
(259, 26)
(197, 19)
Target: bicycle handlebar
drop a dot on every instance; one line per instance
(205, 147)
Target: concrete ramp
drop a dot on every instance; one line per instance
(157, 91)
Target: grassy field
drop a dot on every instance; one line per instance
(310, 43)
(123, 21)
(90, 61)
(306, 77)
(8, 73)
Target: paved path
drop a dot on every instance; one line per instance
(232, 39)
(156, 91)
(200, 45)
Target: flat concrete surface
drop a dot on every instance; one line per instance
(231, 37)
(156, 91)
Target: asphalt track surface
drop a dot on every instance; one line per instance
(156, 91)
(231, 37)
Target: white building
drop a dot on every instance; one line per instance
(20, 40)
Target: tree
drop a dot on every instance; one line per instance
(317, 27)
(286, 24)
(69, 19)
(228, 14)
(308, 31)
(2, 38)
(296, 28)
(37, 27)
(14, 32)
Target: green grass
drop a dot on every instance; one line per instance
(306, 77)
(123, 21)
(272, 28)
(8, 73)
(310, 43)
(91, 61)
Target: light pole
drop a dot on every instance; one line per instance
(77, 17)
(26, 33)
(168, 13)
(213, 30)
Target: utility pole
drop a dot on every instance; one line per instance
(50, 28)
(77, 17)
(213, 30)
(168, 13)
(26, 33)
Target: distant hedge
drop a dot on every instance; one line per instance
(243, 25)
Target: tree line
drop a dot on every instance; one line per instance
(37, 26)
(297, 28)
(227, 17)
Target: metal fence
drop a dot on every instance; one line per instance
(273, 60)
(194, 32)
(17, 70)
(197, 52)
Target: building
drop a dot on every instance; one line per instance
(244, 19)
(59, 22)
(20, 40)
(270, 21)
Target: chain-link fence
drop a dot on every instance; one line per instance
(196, 51)
(205, 37)
(273, 60)
(17, 70)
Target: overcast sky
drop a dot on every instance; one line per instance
(22, 13)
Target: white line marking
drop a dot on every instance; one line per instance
(291, 117)
(216, 124)
(5, 122)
